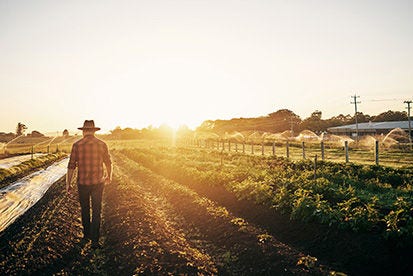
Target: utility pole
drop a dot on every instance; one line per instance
(408, 117)
(355, 108)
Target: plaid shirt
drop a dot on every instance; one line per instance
(88, 155)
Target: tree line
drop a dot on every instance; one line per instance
(285, 119)
(278, 121)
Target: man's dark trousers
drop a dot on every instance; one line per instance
(86, 192)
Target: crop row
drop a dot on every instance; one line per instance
(356, 197)
(17, 171)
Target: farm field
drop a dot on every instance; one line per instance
(27, 145)
(187, 210)
(227, 137)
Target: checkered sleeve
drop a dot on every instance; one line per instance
(106, 156)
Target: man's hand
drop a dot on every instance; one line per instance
(69, 177)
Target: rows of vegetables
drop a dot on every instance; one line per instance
(348, 196)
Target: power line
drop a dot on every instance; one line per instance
(385, 100)
(355, 109)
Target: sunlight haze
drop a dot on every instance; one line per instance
(141, 63)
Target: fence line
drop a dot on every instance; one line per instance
(347, 154)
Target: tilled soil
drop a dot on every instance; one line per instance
(196, 233)
(152, 225)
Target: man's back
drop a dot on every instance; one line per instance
(88, 155)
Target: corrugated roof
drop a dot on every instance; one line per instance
(373, 126)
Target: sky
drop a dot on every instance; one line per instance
(141, 63)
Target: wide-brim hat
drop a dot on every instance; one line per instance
(89, 125)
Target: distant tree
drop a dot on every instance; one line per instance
(284, 119)
(36, 133)
(313, 123)
(283, 113)
(278, 121)
(316, 115)
(361, 118)
(20, 129)
(127, 133)
(345, 119)
(117, 132)
(339, 120)
(389, 116)
(206, 125)
(65, 133)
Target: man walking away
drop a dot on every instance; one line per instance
(89, 155)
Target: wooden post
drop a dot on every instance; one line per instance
(262, 148)
(322, 150)
(288, 149)
(273, 148)
(229, 145)
(48, 149)
(303, 146)
(377, 152)
(346, 150)
(243, 147)
(252, 147)
(57, 147)
(223, 145)
(315, 166)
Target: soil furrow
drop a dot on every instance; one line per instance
(147, 233)
(235, 245)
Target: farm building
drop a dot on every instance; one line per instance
(370, 128)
